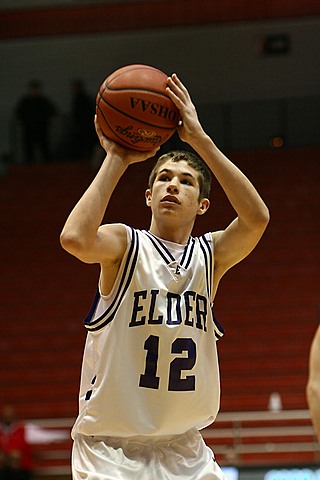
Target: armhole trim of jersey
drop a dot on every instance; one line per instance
(206, 246)
(218, 328)
(124, 283)
(208, 258)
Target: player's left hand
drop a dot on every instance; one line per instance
(189, 126)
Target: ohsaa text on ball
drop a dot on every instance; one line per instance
(153, 108)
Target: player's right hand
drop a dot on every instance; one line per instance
(113, 148)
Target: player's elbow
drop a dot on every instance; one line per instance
(313, 393)
(78, 246)
(264, 215)
(71, 242)
(262, 218)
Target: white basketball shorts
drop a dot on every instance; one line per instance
(185, 456)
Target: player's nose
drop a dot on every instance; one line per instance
(172, 187)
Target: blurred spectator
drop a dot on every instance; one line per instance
(16, 452)
(82, 117)
(16, 440)
(35, 111)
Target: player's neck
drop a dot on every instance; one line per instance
(170, 233)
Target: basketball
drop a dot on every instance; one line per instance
(134, 109)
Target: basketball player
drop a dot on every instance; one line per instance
(313, 384)
(150, 377)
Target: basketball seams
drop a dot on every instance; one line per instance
(132, 118)
(135, 109)
(140, 90)
(124, 114)
(135, 89)
(122, 140)
(125, 70)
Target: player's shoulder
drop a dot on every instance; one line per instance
(113, 239)
(120, 230)
(121, 235)
(208, 237)
(216, 236)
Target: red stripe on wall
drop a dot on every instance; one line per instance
(108, 18)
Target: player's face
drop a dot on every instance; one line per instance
(175, 192)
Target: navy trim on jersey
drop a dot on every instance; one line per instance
(92, 308)
(128, 271)
(167, 255)
(187, 254)
(125, 280)
(160, 247)
(219, 330)
(207, 253)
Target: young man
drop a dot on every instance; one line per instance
(150, 377)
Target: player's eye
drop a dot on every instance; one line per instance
(164, 178)
(186, 181)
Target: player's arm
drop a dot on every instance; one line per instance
(313, 384)
(241, 236)
(83, 235)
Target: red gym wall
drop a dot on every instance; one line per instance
(101, 18)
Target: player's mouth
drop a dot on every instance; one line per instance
(170, 199)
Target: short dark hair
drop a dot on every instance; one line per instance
(194, 161)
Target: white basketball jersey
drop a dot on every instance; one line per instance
(150, 363)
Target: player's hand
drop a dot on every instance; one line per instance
(112, 148)
(189, 126)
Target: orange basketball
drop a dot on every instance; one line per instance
(134, 109)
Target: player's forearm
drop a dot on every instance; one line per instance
(241, 193)
(80, 230)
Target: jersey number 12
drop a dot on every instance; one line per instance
(149, 378)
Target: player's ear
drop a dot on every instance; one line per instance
(204, 205)
(148, 197)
